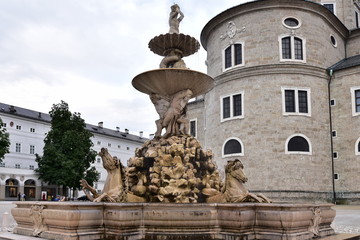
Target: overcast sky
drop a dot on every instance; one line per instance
(86, 52)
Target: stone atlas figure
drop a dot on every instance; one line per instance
(172, 167)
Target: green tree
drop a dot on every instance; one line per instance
(4, 141)
(68, 150)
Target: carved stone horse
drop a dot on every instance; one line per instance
(235, 191)
(114, 187)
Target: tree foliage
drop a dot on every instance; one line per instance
(68, 150)
(4, 141)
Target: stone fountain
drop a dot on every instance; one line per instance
(171, 189)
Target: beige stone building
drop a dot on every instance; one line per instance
(286, 100)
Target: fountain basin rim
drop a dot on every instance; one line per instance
(168, 81)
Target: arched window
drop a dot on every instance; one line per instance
(292, 48)
(11, 188)
(30, 189)
(233, 56)
(298, 144)
(357, 147)
(233, 147)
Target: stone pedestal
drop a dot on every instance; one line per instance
(130, 221)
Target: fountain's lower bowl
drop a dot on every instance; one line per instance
(74, 220)
(168, 81)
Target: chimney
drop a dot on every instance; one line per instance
(100, 124)
(141, 133)
(126, 131)
(117, 129)
(151, 136)
(39, 115)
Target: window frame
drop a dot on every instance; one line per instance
(232, 154)
(32, 149)
(232, 117)
(18, 147)
(296, 113)
(232, 45)
(290, 27)
(353, 101)
(329, 2)
(357, 153)
(193, 120)
(298, 152)
(292, 48)
(357, 18)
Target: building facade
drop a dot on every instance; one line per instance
(286, 99)
(27, 130)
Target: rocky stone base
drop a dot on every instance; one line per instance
(169, 221)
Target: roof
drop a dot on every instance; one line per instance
(44, 117)
(346, 63)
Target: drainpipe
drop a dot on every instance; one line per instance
(330, 72)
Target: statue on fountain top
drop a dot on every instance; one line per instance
(175, 19)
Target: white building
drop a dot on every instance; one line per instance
(27, 130)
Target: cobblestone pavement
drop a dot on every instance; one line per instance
(347, 218)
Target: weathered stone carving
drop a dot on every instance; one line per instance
(37, 219)
(176, 16)
(231, 31)
(114, 188)
(235, 191)
(173, 167)
(172, 113)
(315, 221)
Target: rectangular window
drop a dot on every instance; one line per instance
(336, 176)
(31, 167)
(2, 164)
(32, 149)
(17, 165)
(32, 130)
(335, 155)
(238, 54)
(18, 127)
(4, 125)
(330, 7)
(109, 144)
(286, 48)
(290, 100)
(233, 55)
(237, 105)
(296, 101)
(298, 49)
(334, 133)
(357, 100)
(303, 107)
(228, 57)
(193, 128)
(332, 102)
(98, 143)
(232, 106)
(226, 107)
(18, 147)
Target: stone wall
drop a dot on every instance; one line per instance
(264, 129)
(347, 127)
(261, 37)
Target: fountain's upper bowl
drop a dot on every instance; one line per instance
(168, 81)
(163, 43)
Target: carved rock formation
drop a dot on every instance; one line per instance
(174, 169)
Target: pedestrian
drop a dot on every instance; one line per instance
(23, 196)
(19, 196)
